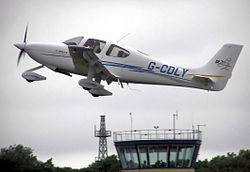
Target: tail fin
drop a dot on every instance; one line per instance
(219, 68)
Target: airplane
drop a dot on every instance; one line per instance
(98, 60)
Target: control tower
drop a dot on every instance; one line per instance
(102, 134)
(165, 150)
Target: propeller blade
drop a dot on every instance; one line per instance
(21, 46)
(25, 35)
(20, 56)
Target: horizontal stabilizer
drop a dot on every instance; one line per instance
(204, 81)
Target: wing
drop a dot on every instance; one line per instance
(83, 56)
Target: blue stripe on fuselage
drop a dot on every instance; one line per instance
(138, 69)
(120, 65)
(55, 55)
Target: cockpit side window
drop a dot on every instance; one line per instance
(96, 45)
(116, 51)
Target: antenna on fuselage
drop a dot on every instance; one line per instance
(123, 37)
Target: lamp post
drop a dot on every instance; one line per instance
(156, 127)
(175, 115)
(131, 124)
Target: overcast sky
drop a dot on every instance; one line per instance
(56, 117)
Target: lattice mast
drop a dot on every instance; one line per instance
(102, 134)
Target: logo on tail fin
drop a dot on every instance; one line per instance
(224, 64)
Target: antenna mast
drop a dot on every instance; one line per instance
(102, 134)
(123, 37)
(200, 125)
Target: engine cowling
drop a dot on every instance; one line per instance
(32, 76)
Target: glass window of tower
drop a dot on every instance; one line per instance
(156, 156)
(173, 156)
(189, 156)
(143, 153)
(163, 155)
(129, 157)
(153, 156)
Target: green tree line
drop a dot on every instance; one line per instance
(19, 158)
(229, 163)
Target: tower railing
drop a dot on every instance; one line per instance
(99, 133)
(161, 134)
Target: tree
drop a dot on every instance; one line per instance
(18, 158)
(48, 165)
(109, 164)
(229, 163)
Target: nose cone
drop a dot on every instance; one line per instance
(20, 46)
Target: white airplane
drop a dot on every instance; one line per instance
(99, 60)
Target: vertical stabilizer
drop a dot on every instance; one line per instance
(219, 68)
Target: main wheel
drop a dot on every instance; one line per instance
(86, 88)
(29, 80)
(95, 95)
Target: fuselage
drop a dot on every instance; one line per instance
(126, 63)
(101, 60)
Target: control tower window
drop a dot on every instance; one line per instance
(129, 158)
(163, 156)
(158, 156)
(181, 156)
(116, 51)
(122, 158)
(143, 153)
(173, 156)
(153, 156)
(96, 45)
(188, 156)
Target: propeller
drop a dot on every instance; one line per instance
(22, 46)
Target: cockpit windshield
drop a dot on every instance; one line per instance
(96, 45)
(73, 41)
